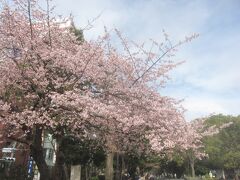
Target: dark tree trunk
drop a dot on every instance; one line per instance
(60, 168)
(192, 167)
(117, 167)
(37, 154)
(122, 167)
(86, 172)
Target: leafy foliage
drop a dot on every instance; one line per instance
(223, 148)
(79, 151)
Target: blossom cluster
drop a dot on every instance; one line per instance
(50, 79)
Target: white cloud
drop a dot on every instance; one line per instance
(209, 80)
(203, 106)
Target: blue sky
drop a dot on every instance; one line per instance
(209, 80)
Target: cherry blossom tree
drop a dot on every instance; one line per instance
(51, 81)
(195, 132)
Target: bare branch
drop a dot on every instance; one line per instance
(48, 23)
(30, 19)
(159, 59)
(19, 140)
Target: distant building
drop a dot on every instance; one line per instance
(20, 153)
(49, 145)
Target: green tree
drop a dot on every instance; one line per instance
(77, 32)
(223, 149)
